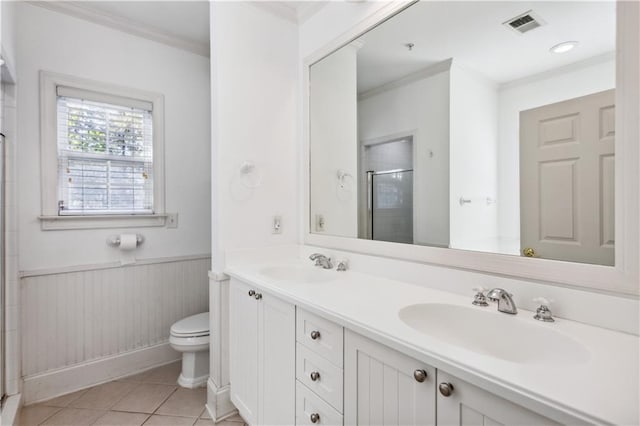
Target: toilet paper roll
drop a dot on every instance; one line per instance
(128, 242)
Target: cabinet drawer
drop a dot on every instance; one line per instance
(327, 336)
(309, 404)
(328, 384)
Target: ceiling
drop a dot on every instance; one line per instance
(472, 34)
(185, 21)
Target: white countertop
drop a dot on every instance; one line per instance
(603, 389)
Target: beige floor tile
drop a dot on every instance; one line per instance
(205, 414)
(64, 400)
(157, 420)
(146, 398)
(103, 397)
(209, 422)
(74, 417)
(35, 414)
(184, 402)
(137, 378)
(165, 375)
(120, 418)
(235, 418)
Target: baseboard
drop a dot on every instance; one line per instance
(10, 410)
(58, 382)
(219, 403)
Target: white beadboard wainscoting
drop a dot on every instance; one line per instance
(87, 326)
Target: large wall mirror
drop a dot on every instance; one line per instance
(482, 126)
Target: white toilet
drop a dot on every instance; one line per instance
(191, 337)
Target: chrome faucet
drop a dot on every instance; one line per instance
(321, 260)
(504, 299)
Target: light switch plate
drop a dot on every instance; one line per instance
(319, 223)
(172, 220)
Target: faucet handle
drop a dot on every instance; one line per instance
(543, 313)
(479, 299)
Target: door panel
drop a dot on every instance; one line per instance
(380, 388)
(277, 360)
(567, 179)
(469, 405)
(243, 350)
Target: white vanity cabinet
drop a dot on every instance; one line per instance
(383, 386)
(461, 403)
(262, 355)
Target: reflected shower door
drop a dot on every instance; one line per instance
(391, 206)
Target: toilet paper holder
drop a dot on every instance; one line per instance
(114, 240)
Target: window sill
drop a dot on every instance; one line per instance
(57, 223)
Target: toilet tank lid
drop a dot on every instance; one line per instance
(198, 323)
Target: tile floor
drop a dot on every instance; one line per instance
(151, 398)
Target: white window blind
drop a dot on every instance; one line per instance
(105, 154)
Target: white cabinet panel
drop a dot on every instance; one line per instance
(277, 358)
(321, 336)
(309, 404)
(380, 388)
(243, 347)
(262, 355)
(328, 378)
(469, 405)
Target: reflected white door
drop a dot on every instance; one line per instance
(567, 180)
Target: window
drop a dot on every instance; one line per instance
(105, 156)
(102, 155)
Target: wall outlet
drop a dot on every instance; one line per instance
(172, 220)
(319, 223)
(277, 225)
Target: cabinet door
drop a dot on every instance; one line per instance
(276, 361)
(380, 388)
(243, 347)
(470, 405)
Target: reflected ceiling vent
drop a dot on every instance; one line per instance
(525, 22)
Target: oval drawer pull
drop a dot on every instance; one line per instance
(252, 293)
(315, 417)
(315, 376)
(420, 375)
(315, 334)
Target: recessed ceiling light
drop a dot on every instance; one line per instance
(563, 47)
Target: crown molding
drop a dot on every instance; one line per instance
(125, 25)
(295, 15)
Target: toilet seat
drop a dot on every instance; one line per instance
(193, 326)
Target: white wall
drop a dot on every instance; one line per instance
(473, 160)
(55, 42)
(520, 96)
(254, 83)
(333, 110)
(420, 108)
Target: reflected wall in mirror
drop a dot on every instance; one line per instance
(485, 126)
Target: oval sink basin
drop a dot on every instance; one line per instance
(297, 273)
(499, 335)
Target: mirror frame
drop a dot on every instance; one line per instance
(622, 279)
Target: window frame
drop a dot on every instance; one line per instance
(49, 218)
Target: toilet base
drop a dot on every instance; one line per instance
(195, 369)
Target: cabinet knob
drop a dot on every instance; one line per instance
(315, 334)
(315, 417)
(420, 375)
(446, 389)
(315, 376)
(258, 296)
(252, 293)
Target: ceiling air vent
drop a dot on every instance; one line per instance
(525, 22)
